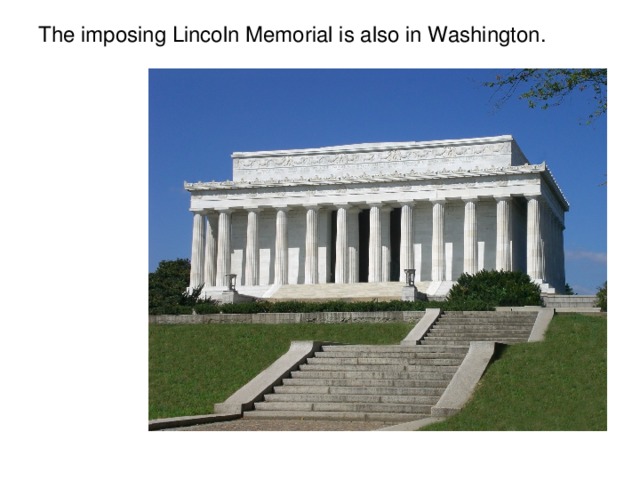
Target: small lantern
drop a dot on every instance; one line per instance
(410, 274)
(231, 282)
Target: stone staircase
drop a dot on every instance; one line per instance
(328, 291)
(389, 383)
(365, 382)
(461, 328)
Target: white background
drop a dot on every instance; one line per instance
(74, 169)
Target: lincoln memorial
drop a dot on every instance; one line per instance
(357, 214)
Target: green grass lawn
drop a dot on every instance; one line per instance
(192, 367)
(557, 384)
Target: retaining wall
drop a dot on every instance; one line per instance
(569, 301)
(274, 318)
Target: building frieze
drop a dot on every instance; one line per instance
(402, 155)
(358, 179)
(391, 193)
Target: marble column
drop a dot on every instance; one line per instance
(353, 244)
(552, 257)
(547, 237)
(470, 244)
(210, 251)
(251, 276)
(534, 250)
(375, 244)
(281, 270)
(546, 245)
(311, 246)
(197, 250)
(342, 252)
(224, 247)
(385, 241)
(437, 243)
(561, 274)
(406, 238)
(503, 229)
(559, 247)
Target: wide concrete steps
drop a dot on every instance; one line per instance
(318, 398)
(357, 390)
(461, 328)
(339, 416)
(389, 383)
(385, 350)
(463, 342)
(349, 364)
(326, 291)
(385, 361)
(386, 383)
(365, 383)
(365, 405)
(373, 375)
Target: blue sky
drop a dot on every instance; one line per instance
(197, 118)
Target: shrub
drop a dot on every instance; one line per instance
(204, 307)
(168, 289)
(469, 304)
(294, 306)
(167, 284)
(488, 289)
(601, 297)
(171, 310)
(259, 306)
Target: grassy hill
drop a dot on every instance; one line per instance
(558, 384)
(192, 367)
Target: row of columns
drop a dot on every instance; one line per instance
(211, 247)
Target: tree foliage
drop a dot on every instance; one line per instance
(487, 289)
(167, 286)
(601, 297)
(169, 293)
(546, 88)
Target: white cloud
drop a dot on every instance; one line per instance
(597, 257)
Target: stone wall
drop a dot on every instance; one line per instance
(275, 318)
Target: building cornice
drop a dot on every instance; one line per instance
(349, 179)
(555, 188)
(373, 147)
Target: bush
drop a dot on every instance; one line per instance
(294, 306)
(168, 293)
(488, 289)
(189, 302)
(167, 284)
(601, 297)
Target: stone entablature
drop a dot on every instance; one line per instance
(397, 188)
(459, 206)
(377, 159)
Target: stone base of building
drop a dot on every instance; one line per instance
(411, 294)
(334, 291)
(545, 287)
(232, 296)
(432, 290)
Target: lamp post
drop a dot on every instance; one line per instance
(410, 274)
(231, 282)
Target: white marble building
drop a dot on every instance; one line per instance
(364, 213)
